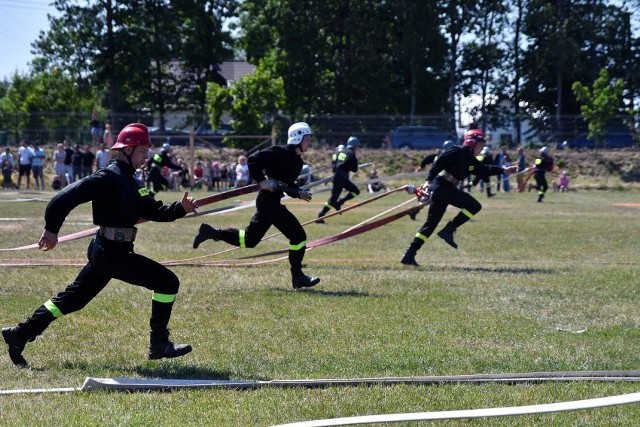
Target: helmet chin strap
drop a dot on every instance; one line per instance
(128, 156)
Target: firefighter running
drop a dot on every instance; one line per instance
(543, 164)
(275, 169)
(345, 162)
(451, 167)
(118, 202)
(155, 164)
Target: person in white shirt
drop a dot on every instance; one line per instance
(37, 164)
(242, 172)
(103, 156)
(25, 156)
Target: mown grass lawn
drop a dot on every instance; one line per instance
(550, 286)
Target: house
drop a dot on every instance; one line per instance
(499, 125)
(226, 73)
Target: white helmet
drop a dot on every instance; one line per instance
(485, 150)
(544, 150)
(297, 131)
(448, 144)
(166, 147)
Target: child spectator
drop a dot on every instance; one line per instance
(214, 171)
(563, 182)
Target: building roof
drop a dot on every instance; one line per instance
(233, 70)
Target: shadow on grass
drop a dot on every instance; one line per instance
(321, 292)
(512, 270)
(152, 370)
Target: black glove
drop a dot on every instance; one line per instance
(305, 195)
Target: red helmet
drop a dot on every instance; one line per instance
(472, 137)
(133, 135)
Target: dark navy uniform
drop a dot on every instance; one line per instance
(156, 163)
(543, 164)
(451, 167)
(487, 160)
(275, 169)
(118, 203)
(345, 162)
(281, 163)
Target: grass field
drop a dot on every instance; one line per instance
(534, 287)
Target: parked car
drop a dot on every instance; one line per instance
(159, 137)
(616, 137)
(419, 137)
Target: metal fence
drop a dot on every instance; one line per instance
(373, 131)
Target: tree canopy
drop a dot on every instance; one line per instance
(341, 57)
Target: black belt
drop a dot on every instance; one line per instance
(118, 234)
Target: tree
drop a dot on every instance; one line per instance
(135, 53)
(455, 18)
(50, 101)
(205, 44)
(569, 40)
(347, 56)
(253, 101)
(483, 61)
(600, 103)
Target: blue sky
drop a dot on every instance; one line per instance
(22, 20)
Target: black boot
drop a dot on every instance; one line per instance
(206, 232)
(489, 193)
(540, 197)
(322, 213)
(409, 257)
(446, 234)
(16, 343)
(160, 346)
(300, 280)
(413, 213)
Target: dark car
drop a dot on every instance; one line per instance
(616, 137)
(419, 137)
(160, 136)
(205, 133)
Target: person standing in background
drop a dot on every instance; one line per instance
(68, 162)
(25, 157)
(6, 160)
(107, 136)
(87, 161)
(103, 156)
(242, 172)
(521, 162)
(76, 163)
(96, 132)
(37, 166)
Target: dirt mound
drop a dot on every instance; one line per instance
(588, 169)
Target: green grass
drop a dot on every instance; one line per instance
(524, 270)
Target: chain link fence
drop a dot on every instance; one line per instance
(50, 127)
